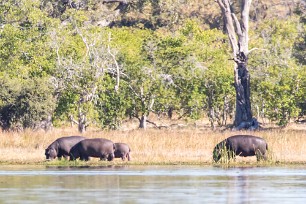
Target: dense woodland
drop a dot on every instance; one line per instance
(100, 63)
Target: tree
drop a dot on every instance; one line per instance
(212, 72)
(239, 29)
(141, 77)
(26, 104)
(25, 63)
(83, 58)
(279, 78)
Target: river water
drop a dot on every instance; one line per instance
(153, 184)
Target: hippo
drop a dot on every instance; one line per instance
(241, 145)
(97, 147)
(61, 147)
(122, 151)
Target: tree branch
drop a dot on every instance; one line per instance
(221, 5)
(227, 14)
(72, 120)
(115, 1)
(157, 126)
(244, 40)
(132, 89)
(238, 26)
(255, 48)
(84, 40)
(116, 63)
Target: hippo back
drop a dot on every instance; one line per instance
(121, 149)
(246, 145)
(61, 146)
(97, 147)
(242, 145)
(66, 143)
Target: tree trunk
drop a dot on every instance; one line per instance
(242, 87)
(143, 122)
(82, 123)
(170, 113)
(236, 28)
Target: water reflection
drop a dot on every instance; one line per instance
(152, 184)
(240, 188)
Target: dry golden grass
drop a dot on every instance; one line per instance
(177, 146)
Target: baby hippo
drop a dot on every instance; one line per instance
(122, 151)
(97, 147)
(61, 147)
(241, 145)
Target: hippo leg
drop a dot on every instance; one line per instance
(231, 155)
(128, 157)
(84, 158)
(103, 157)
(71, 158)
(260, 155)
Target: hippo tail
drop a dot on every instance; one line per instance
(266, 146)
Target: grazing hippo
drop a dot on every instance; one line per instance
(241, 145)
(122, 151)
(61, 147)
(97, 147)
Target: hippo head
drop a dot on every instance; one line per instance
(220, 150)
(216, 154)
(111, 157)
(50, 153)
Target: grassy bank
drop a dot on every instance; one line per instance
(178, 146)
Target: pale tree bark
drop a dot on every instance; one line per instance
(237, 31)
(146, 108)
(82, 77)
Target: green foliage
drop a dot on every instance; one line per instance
(212, 73)
(278, 81)
(111, 106)
(142, 80)
(24, 42)
(55, 61)
(25, 104)
(80, 69)
(172, 70)
(25, 62)
(300, 42)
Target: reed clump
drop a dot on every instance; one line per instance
(193, 146)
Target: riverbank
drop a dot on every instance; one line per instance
(179, 146)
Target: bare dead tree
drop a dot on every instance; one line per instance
(83, 76)
(237, 31)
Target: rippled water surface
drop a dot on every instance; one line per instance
(153, 184)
